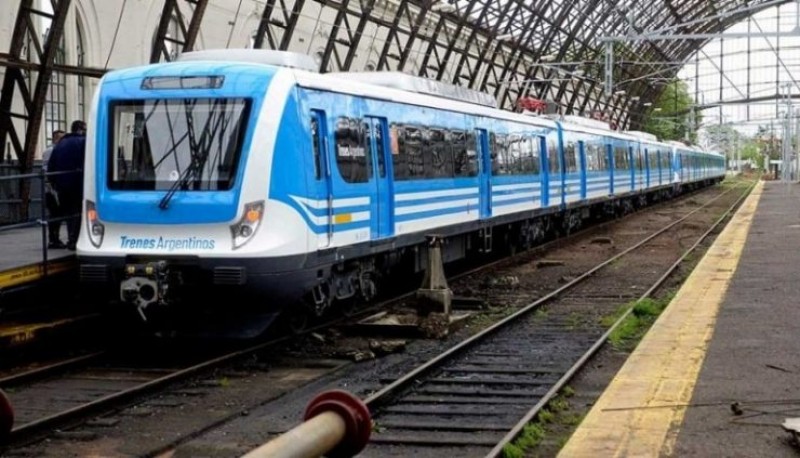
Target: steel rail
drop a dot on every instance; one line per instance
(556, 388)
(44, 371)
(20, 433)
(384, 395)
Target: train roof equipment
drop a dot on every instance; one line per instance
(255, 56)
(585, 122)
(642, 135)
(678, 144)
(420, 85)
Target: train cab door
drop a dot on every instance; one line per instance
(382, 207)
(485, 175)
(321, 186)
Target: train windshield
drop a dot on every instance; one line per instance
(176, 144)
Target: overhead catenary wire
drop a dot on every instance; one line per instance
(233, 24)
(116, 33)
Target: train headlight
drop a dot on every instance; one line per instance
(94, 227)
(243, 231)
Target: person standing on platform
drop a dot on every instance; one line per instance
(68, 156)
(51, 198)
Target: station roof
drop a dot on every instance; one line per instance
(543, 43)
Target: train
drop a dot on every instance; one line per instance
(246, 183)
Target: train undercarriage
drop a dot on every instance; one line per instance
(184, 296)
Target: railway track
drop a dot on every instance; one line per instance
(69, 391)
(478, 396)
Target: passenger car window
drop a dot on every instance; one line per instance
(408, 160)
(570, 157)
(352, 150)
(315, 142)
(621, 161)
(552, 158)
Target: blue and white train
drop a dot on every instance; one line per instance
(246, 180)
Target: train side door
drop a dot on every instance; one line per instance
(582, 167)
(485, 176)
(382, 208)
(610, 163)
(632, 162)
(322, 174)
(658, 167)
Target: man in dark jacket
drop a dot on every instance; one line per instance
(51, 198)
(68, 156)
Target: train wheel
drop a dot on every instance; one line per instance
(350, 307)
(296, 320)
(299, 322)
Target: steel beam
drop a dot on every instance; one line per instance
(33, 101)
(264, 29)
(188, 32)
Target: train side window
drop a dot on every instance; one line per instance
(316, 143)
(398, 159)
(438, 159)
(552, 157)
(596, 160)
(493, 152)
(531, 163)
(602, 158)
(537, 145)
(570, 159)
(621, 161)
(639, 158)
(591, 157)
(462, 156)
(515, 155)
(365, 139)
(500, 162)
(408, 160)
(379, 148)
(473, 154)
(352, 153)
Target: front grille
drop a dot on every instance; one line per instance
(230, 276)
(94, 273)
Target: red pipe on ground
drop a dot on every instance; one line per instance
(336, 424)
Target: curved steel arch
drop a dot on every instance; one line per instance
(461, 45)
(416, 36)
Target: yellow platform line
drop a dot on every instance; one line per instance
(641, 411)
(23, 333)
(33, 272)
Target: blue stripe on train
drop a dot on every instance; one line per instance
(508, 192)
(530, 200)
(472, 209)
(473, 194)
(337, 210)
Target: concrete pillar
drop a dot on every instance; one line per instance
(434, 295)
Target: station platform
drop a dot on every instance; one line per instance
(717, 374)
(21, 258)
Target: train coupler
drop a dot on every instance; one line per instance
(145, 284)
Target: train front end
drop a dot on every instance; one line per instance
(176, 190)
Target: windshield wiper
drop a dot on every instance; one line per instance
(182, 182)
(200, 149)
